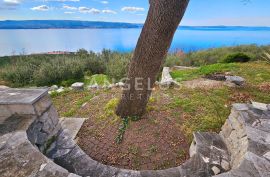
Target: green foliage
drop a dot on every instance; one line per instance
(111, 106)
(122, 130)
(172, 60)
(211, 56)
(46, 70)
(236, 57)
(182, 75)
(219, 67)
(117, 68)
(99, 79)
(206, 115)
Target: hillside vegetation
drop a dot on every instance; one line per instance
(46, 70)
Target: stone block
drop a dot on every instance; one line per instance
(226, 129)
(72, 124)
(50, 169)
(78, 86)
(195, 166)
(173, 172)
(21, 96)
(148, 173)
(240, 107)
(105, 171)
(260, 106)
(236, 80)
(19, 158)
(53, 115)
(42, 105)
(257, 135)
(22, 109)
(15, 123)
(128, 173)
(73, 175)
(53, 88)
(4, 112)
(258, 148)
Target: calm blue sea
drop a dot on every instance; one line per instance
(45, 40)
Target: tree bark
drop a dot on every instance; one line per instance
(154, 42)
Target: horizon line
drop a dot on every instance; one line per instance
(141, 23)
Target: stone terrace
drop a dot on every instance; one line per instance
(34, 143)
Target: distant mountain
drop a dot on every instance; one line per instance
(67, 24)
(73, 24)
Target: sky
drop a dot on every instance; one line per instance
(199, 12)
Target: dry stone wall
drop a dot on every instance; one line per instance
(33, 143)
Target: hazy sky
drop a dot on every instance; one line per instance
(199, 12)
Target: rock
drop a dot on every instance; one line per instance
(236, 80)
(183, 67)
(20, 158)
(225, 165)
(95, 86)
(73, 125)
(107, 87)
(60, 90)
(267, 155)
(240, 107)
(53, 88)
(229, 84)
(166, 78)
(194, 167)
(215, 170)
(77, 86)
(212, 149)
(3, 87)
(260, 106)
(120, 84)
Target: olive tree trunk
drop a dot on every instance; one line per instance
(154, 42)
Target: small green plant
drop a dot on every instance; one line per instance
(236, 58)
(70, 113)
(181, 153)
(135, 150)
(49, 142)
(122, 130)
(152, 149)
(123, 126)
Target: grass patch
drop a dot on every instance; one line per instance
(183, 75)
(254, 72)
(68, 103)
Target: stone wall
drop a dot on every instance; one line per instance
(247, 136)
(33, 143)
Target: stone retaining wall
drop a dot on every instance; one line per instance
(33, 143)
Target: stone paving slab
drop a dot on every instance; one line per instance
(21, 96)
(72, 124)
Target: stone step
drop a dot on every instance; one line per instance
(72, 124)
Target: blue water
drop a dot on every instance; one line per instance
(45, 40)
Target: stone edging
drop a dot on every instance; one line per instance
(243, 145)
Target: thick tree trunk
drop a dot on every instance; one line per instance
(162, 21)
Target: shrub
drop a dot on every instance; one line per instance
(118, 66)
(236, 57)
(57, 71)
(172, 60)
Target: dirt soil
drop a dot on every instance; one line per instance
(203, 83)
(154, 142)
